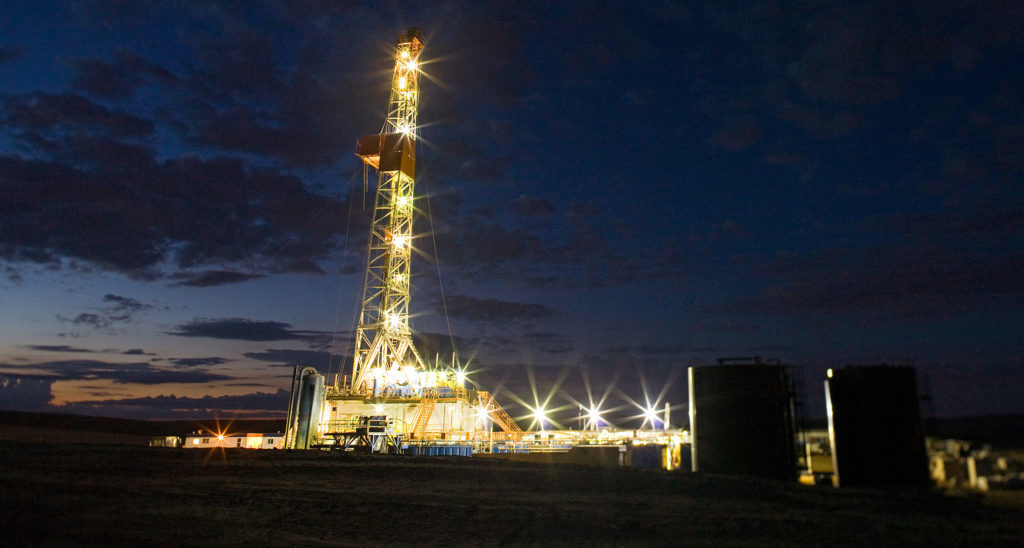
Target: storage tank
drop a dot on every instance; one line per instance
(304, 407)
(742, 420)
(310, 404)
(874, 422)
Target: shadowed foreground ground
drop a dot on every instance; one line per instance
(58, 494)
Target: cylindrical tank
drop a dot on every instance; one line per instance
(742, 420)
(874, 421)
(294, 403)
(311, 395)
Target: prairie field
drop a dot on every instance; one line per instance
(58, 494)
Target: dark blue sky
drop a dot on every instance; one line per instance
(616, 191)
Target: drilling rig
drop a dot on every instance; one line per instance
(392, 398)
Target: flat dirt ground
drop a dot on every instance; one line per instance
(117, 495)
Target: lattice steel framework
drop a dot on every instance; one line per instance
(384, 346)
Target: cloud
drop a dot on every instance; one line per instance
(472, 308)
(118, 310)
(240, 329)
(42, 111)
(25, 393)
(13, 274)
(59, 348)
(737, 134)
(582, 248)
(121, 309)
(321, 360)
(119, 79)
(198, 362)
(131, 214)
(530, 206)
(906, 281)
(215, 277)
(121, 373)
(254, 405)
(9, 54)
(96, 321)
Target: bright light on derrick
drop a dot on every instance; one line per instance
(540, 415)
(401, 241)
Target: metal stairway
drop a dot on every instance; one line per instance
(498, 414)
(426, 409)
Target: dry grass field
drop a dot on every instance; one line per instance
(55, 494)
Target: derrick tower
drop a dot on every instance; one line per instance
(391, 397)
(384, 347)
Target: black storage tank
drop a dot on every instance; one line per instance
(742, 420)
(874, 422)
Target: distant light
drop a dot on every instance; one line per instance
(594, 414)
(829, 372)
(651, 415)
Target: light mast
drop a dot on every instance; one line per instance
(384, 349)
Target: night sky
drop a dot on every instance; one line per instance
(610, 192)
